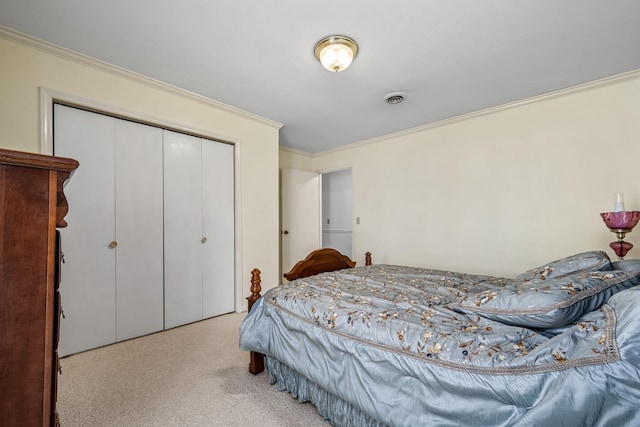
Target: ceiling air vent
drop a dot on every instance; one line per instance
(395, 98)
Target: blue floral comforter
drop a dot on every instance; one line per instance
(383, 339)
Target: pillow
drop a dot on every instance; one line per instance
(547, 303)
(578, 263)
(627, 265)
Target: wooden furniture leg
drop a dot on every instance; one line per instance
(256, 360)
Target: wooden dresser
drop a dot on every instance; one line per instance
(32, 205)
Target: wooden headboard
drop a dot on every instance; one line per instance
(319, 261)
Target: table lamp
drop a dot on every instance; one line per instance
(620, 222)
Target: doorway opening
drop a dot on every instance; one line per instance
(316, 212)
(337, 211)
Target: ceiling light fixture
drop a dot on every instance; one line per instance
(336, 53)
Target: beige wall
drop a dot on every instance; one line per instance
(28, 65)
(291, 159)
(499, 191)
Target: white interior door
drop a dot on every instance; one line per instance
(139, 228)
(300, 215)
(88, 273)
(183, 237)
(218, 228)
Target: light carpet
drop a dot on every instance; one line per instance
(194, 375)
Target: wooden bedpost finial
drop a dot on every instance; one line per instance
(256, 360)
(367, 258)
(255, 287)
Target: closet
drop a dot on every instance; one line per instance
(198, 228)
(136, 259)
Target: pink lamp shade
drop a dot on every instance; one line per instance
(624, 220)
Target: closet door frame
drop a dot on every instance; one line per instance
(49, 96)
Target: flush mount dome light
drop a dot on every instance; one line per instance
(336, 53)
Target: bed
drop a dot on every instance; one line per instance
(402, 346)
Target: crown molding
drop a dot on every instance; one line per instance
(296, 151)
(527, 101)
(70, 55)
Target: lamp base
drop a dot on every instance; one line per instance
(621, 248)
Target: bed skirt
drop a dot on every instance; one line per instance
(333, 409)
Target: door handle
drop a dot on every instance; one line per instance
(285, 232)
(203, 240)
(113, 244)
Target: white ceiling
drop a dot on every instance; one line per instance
(450, 57)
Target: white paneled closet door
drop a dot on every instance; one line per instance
(112, 279)
(183, 239)
(199, 228)
(139, 230)
(88, 273)
(218, 228)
